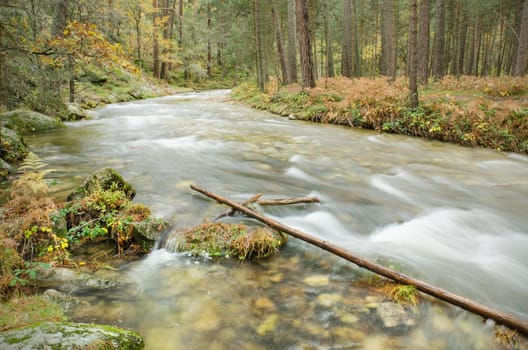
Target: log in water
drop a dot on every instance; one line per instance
(499, 317)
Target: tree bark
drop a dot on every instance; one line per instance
(209, 48)
(305, 48)
(280, 42)
(292, 43)
(355, 41)
(261, 81)
(347, 45)
(499, 317)
(388, 47)
(329, 69)
(424, 26)
(155, 48)
(413, 37)
(439, 40)
(522, 52)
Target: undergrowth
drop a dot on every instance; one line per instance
(487, 112)
(36, 232)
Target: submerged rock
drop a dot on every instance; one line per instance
(105, 282)
(76, 112)
(102, 179)
(25, 121)
(68, 335)
(393, 315)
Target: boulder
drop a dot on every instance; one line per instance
(102, 179)
(76, 112)
(12, 146)
(25, 121)
(69, 335)
(148, 231)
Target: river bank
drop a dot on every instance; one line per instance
(469, 111)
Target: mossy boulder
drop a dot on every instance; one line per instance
(5, 168)
(25, 121)
(227, 240)
(12, 145)
(148, 231)
(102, 179)
(68, 335)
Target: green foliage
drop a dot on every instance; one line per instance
(404, 294)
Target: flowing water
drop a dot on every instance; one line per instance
(452, 216)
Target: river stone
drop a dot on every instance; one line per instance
(392, 315)
(148, 231)
(104, 282)
(12, 146)
(102, 179)
(65, 301)
(76, 112)
(68, 335)
(25, 121)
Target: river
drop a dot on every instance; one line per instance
(454, 217)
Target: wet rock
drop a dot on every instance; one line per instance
(329, 300)
(102, 179)
(25, 121)
(264, 303)
(105, 282)
(75, 112)
(393, 315)
(317, 280)
(67, 335)
(66, 302)
(147, 232)
(268, 325)
(12, 147)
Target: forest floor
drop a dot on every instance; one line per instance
(470, 111)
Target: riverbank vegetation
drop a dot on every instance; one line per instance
(486, 112)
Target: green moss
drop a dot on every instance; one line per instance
(224, 240)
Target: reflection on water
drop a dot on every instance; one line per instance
(452, 216)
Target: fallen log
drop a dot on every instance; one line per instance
(288, 201)
(280, 201)
(484, 311)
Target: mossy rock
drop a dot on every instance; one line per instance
(102, 179)
(68, 335)
(227, 240)
(25, 121)
(147, 232)
(12, 145)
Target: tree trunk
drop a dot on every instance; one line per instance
(355, 41)
(521, 60)
(180, 24)
(388, 47)
(280, 42)
(166, 41)
(292, 43)
(500, 317)
(424, 25)
(258, 47)
(305, 48)
(413, 37)
(329, 69)
(439, 41)
(346, 55)
(209, 47)
(155, 47)
(464, 26)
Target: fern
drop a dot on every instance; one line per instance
(33, 163)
